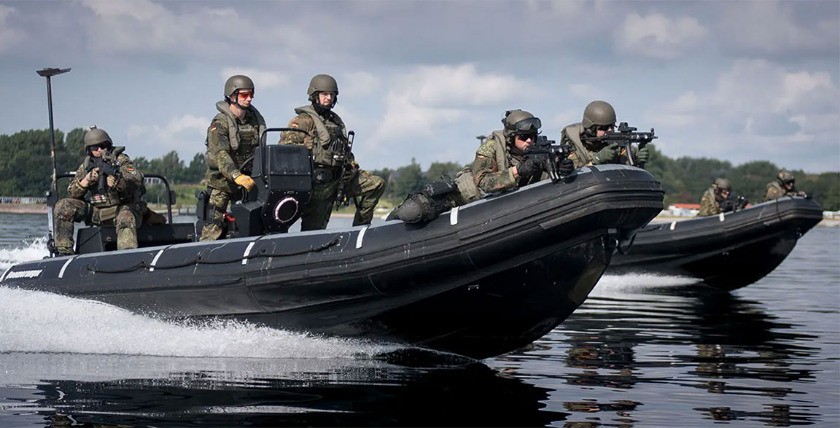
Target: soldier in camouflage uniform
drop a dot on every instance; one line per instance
(500, 162)
(326, 138)
(784, 185)
(118, 201)
(598, 119)
(232, 138)
(710, 203)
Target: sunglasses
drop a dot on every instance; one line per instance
(246, 94)
(605, 127)
(525, 137)
(98, 147)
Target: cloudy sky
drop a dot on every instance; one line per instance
(733, 80)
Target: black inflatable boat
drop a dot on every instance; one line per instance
(726, 251)
(481, 280)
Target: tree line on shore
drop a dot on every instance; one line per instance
(26, 170)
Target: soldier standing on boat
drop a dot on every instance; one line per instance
(784, 185)
(598, 119)
(326, 138)
(710, 203)
(116, 189)
(232, 139)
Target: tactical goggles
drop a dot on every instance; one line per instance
(527, 126)
(605, 127)
(788, 182)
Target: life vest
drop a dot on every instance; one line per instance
(572, 134)
(237, 133)
(330, 138)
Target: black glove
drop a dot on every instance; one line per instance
(606, 155)
(566, 167)
(529, 167)
(349, 173)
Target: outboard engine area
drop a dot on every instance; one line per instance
(283, 174)
(283, 177)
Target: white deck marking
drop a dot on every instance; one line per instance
(154, 261)
(453, 216)
(61, 272)
(361, 238)
(247, 251)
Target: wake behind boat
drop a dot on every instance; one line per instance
(481, 280)
(726, 251)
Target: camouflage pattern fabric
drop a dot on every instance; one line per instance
(585, 152)
(709, 205)
(493, 171)
(123, 208)
(223, 162)
(776, 191)
(365, 187)
(212, 230)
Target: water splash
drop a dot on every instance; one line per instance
(618, 284)
(29, 250)
(32, 321)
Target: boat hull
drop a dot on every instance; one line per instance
(481, 280)
(728, 251)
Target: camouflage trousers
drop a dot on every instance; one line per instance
(365, 188)
(69, 211)
(212, 229)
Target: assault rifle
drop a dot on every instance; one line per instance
(108, 166)
(625, 136)
(546, 152)
(342, 155)
(734, 203)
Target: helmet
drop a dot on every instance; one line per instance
(785, 177)
(598, 113)
(237, 82)
(520, 121)
(96, 137)
(322, 83)
(722, 184)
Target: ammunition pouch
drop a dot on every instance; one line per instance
(102, 215)
(468, 191)
(321, 175)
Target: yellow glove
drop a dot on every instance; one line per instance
(245, 181)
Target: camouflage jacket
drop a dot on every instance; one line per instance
(584, 153)
(709, 204)
(325, 136)
(492, 168)
(129, 188)
(230, 142)
(776, 191)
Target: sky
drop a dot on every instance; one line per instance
(418, 80)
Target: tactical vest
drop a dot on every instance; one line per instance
(238, 133)
(330, 138)
(105, 204)
(464, 179)
(572, 133)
